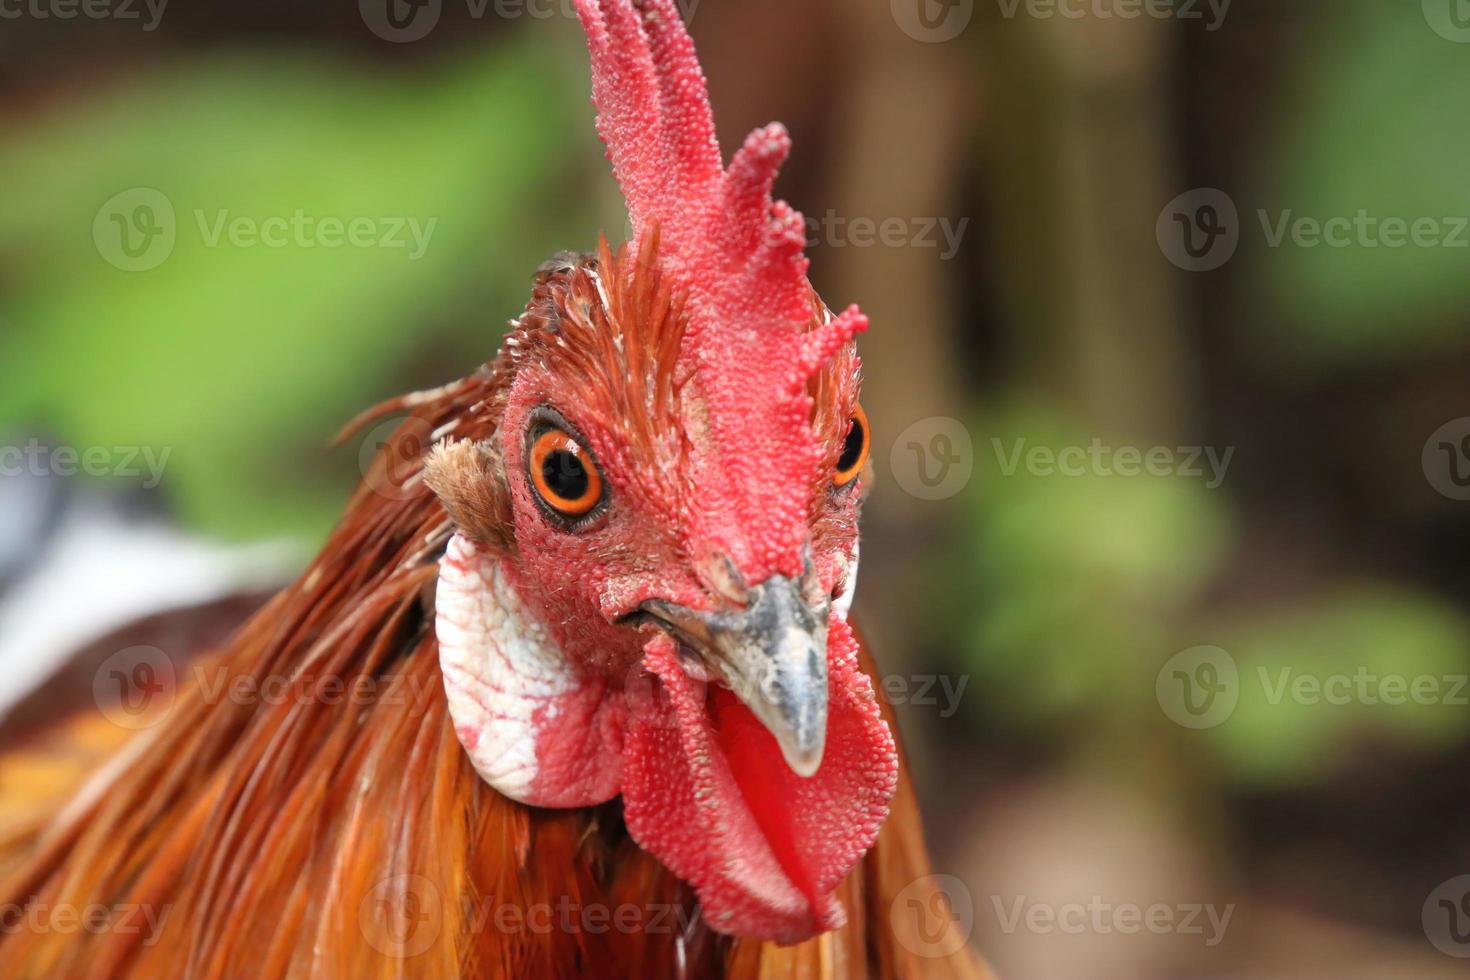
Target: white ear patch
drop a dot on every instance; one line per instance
(509, 685)
(842, 602)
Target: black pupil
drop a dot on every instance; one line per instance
(564, 474)
(852, 448)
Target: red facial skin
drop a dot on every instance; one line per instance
(714, 392)
(644, 542)
(735, 255)
(704, 785)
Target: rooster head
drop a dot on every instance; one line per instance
(656, 541)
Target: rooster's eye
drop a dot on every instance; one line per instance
(564, 474)
(854, 449)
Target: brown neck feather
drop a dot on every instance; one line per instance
(340, 830)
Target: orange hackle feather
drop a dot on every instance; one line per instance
(342, 831)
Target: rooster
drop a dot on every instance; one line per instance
(571, 691)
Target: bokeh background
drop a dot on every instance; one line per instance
(1168, 378)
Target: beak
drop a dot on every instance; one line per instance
(773, 655)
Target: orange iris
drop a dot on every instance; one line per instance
(854, 449)
(563, 474)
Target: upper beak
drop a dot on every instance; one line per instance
(773, 654)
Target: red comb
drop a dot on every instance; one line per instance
(738, 255)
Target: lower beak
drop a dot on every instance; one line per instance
(773, 654)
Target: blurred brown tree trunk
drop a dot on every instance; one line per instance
(1084, 167)
(907, 108)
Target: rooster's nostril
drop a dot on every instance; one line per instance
(722, 576)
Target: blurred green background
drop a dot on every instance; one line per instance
(1328, 547)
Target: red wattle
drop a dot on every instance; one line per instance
(761, 772)
(707, 792)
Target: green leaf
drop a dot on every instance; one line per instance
(1362, 670)
(239, 356)
(1077, 575)
(1377, 127)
